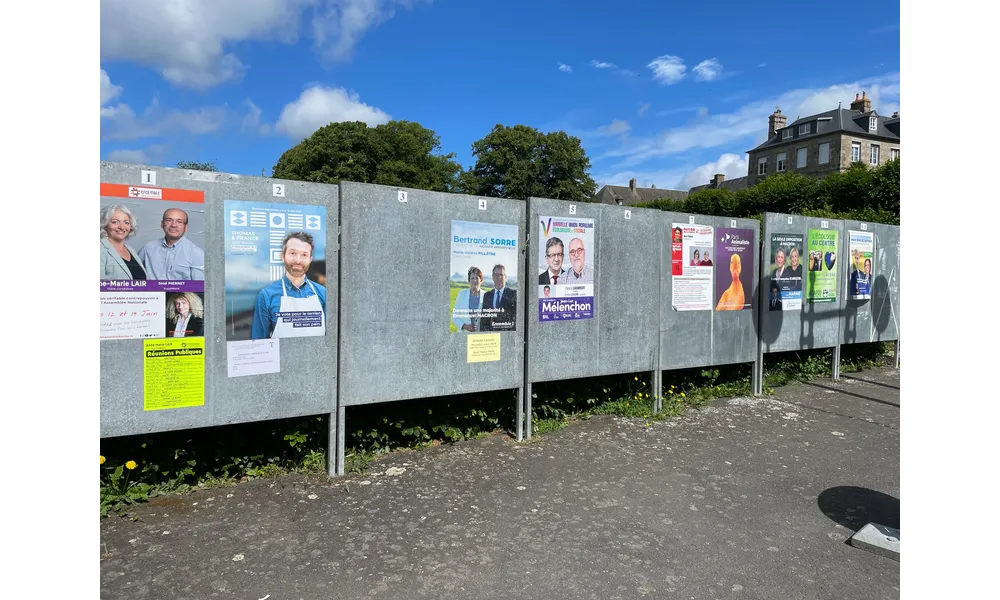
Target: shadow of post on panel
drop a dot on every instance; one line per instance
(854, 507)
(881, 304)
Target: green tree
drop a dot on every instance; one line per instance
(397, 153)
(520, 161)
(197, 166)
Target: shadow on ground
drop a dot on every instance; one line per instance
(854, 507)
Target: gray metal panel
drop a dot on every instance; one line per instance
(621, 337)
(394, 304)
(817, 325)
(306, 384)
(705, 338)
(876, 319)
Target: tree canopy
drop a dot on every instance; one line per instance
(397, 153)
(860, 193)
(197, 166)
(520, 161)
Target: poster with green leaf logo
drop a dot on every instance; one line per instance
(821, 266)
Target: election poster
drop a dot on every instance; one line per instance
(275, 256)
(821, 276)
(152, 262)
(566, 275)
(862, 254)
(692, 247)
(734, 255)
(173, 373)
(482, 287)
(785, 282)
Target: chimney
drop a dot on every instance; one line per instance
(775, 122)
(895, 114)
(631, 185)
(718, 179)
(862, 104)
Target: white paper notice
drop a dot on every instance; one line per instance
(253, 357)
(127, 315)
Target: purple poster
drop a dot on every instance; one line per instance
(734, 253)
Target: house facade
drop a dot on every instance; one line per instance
(631, 195)
(825, 143)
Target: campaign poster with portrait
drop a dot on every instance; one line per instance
(734, 257)
(691, 258)
(566, 264)
(862, 255)
(152, 262)
(785, 281)
(482, 286)
(275, 257)
(821, 266)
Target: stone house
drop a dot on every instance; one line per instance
(825, 143)
(632, 195)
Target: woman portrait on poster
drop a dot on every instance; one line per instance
(469, 303)
(185, 315)
(696, 258)
(861, 281)
(118, 260)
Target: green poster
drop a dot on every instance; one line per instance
(821, 273)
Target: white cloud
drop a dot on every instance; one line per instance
(702, 111)
(616, 127)
(565, 68)
(120, 122)
(707, 70)
(643, 108)
(601, 65)
(155, 154)
(190, 41)
(109, 91)
(680, 178)
(318, 106)
(730, 165)
(251, 122)
(748, 124)
(667, 69)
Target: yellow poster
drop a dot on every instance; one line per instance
(483, 347)
(173, 373)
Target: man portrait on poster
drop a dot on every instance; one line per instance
(554, 258)
(579, 271)
(292, 306)
(173, 257)
(502, 299)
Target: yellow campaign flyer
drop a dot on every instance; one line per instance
(173, 373)
(483, 347)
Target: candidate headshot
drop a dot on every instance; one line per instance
(292, 306)
(554, 259)
(579, 271)
(118, 259)
(173, 257)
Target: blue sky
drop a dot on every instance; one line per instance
(668, 93)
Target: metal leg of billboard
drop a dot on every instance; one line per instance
(523, 405)
(895, 352)
(520, 412)
(836, 362)
(758, 370)
(337, 439)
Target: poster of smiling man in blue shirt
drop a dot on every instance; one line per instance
(292, 306)
(173, 257)
(275, 270)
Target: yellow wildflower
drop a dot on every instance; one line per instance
(682, 394)
(130, 465)
(636, 378)
(102, 459)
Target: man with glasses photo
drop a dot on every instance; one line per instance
(173, 258)
(579, 271)
(554, 258)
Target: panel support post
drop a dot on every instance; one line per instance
(527, 413)
(335, 443)
(895, 352)
(519, 421)
(836, 362)
(758, 370)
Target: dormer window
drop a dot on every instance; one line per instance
(805, 129)
(786, 133)
(872, 124)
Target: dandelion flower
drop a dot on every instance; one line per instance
(682, 394)
(102, 459)
(130, 465)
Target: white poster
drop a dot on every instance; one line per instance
(253, 357)
(692, 248)
(131, 315)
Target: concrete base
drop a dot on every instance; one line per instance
(878, 539)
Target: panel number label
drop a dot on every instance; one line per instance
(572, 209)
(149, 177)
(402, 196)
(824, 224)
(482, 204)
(278, 190)
(628, 214)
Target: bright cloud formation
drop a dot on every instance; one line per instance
(707, 70)
(667, 69)
(318, 106)
(189, 41)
